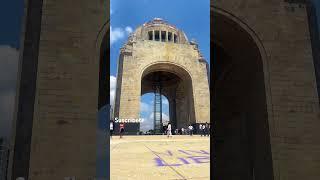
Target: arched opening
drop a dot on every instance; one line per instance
(173, 82)
(147, 112)
(241, 131)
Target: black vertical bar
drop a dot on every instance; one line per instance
(27, 90)
(212, 94)
(103, 118)
(154, 108)
(160, 123)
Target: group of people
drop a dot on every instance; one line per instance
(205, 129)
(184, 131)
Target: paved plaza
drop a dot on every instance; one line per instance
(159, 158)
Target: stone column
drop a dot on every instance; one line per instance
(167, 39)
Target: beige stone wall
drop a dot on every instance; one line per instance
(141, 54)
(293, 105)
(64, 129)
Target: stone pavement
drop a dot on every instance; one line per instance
(160, 158)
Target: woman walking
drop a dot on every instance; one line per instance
(111, 128)
(169, 133)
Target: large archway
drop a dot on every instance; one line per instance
(241, 129)
(175, 83)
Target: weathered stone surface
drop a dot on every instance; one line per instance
(281, 30)
(64, 128)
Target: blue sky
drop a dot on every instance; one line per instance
(126, 15)
(192, 17)
(11, 18)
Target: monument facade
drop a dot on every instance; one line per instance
(159, 58)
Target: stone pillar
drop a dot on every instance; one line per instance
(167, 39)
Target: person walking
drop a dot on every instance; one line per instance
(190, 130)
(121, 129)
(165, 130)
(169, 133)
(176, 132)
(111, 128)
(207, 129)
(204, 130)
(200, 129)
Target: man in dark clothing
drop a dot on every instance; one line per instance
(206, 129)
(121, 129)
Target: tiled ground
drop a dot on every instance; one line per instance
(160, 158)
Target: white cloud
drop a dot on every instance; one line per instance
(165, 118)
(119, 33)
(165, 101)
(144, 107)
(129, 29)
(116, 34)
(9, 58)
(113, 83)
(147, 124)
